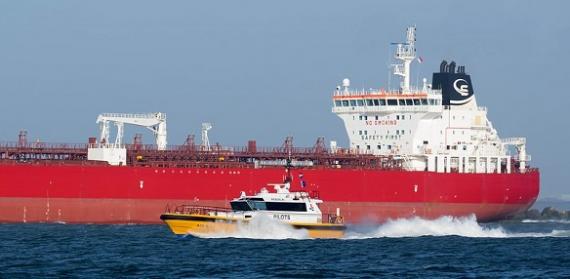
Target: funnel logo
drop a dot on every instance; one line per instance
(461, 86)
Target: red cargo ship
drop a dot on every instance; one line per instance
(427, 152)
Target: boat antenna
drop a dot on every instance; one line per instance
(288, 166)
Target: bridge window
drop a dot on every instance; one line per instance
(392, 102)
(417, 102)
(352, 103)
(409, 102)
(402, 102)
(360, 103)
(337, 103)
(432, 102)
(382, 102)
(369, 102)
(376, 103)
(345, 103)
(424, 102)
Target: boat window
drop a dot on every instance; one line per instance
(286, 206)
(382, 102)
(409, 102)
(337, 103)
(240, 206)
(417, 102)
(392, 102)
(424, 102)
(376, 103)
(345, 103)
(402, 102)
(259, 205)
(432, 102)
(360, 103)
(352, 103)
(369, 102)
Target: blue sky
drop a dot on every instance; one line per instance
(264, 70)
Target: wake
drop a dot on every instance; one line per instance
(263, 227)
(445, 226)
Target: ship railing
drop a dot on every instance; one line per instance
(157, 115)
(422, 108)
(40, 145)
(241, 150)
(383, 92)
(193, 209)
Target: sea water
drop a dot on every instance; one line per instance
(413, 248)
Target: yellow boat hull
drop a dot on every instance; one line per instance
(201, 225)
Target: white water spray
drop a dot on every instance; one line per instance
(263, 227)
(444, 226)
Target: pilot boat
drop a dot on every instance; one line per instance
(298, 209)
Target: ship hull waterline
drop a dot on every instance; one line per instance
(103, 194)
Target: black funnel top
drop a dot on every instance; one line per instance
(456, 87)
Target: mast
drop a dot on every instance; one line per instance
(406, 53)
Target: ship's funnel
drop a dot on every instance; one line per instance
(456, 87)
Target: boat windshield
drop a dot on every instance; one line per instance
(240, 206)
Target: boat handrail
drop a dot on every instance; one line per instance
(313, 194)
(193, 209)
(330, 218)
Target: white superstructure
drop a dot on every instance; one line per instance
(436, 127)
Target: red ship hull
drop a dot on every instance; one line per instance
(106, 194)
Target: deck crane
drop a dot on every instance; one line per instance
(205, 140)
(156, 122)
